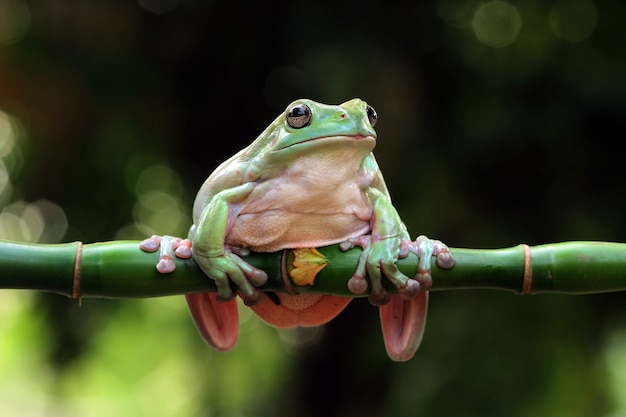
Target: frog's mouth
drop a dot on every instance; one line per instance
(325, 139)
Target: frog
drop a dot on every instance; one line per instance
(309, 180)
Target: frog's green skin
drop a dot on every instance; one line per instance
(309, 180)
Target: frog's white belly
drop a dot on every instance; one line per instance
(310, 206)
(275, 230)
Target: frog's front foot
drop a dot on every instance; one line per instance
(228, 266)
(168, 247)
(425, 249)
(223, 268)
(379, 258)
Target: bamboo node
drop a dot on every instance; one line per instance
(527, 283)
(285, 260)
(77, 262)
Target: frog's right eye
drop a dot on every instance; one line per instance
(299, 116)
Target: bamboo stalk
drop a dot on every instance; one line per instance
(119, 269)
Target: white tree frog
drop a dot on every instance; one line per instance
(309, 180)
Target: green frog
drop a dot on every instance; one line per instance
(309, 180)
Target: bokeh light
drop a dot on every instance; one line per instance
(15, 20)
(497, 23)
(40, 222)
(573, 20)
(159, 209)
(455, 13)
(8, 137)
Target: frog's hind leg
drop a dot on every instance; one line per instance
(216, 321)
(403, 321)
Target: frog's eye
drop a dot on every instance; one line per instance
(371, 114)
(299, 116)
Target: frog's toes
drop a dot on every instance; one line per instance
(410, 289)
(361, 241)
(256, 277)
(425, 249)
(230, 267)
(443, 256)
(183, 249)
(445, 260)
(241, 251)
(424, 278)
(357, 285)
(166, 265)
(150, 244)
(168, 246)
(247, 276)
(405, 245)
(180, 247)
(346, 246)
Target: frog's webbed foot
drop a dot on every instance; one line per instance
(168, 247)
(425, 249)
(379, 258)
(403, 322)
(229, 266)
(366, 265)
(221, 268)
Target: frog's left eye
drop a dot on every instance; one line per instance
(371, 115)
(299, 116)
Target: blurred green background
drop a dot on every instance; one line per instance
(499, 123)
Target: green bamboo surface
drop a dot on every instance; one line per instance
(119, 269)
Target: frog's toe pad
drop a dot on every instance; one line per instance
(410, 290)
(357, 285)
(183, 249)
(361, 241)
(166, 265)
(424, 278)
(257, 277)
(150, 244)
(445, 260)
(168, 247)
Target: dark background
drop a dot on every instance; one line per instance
(499, 123)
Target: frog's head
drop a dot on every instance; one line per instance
(307, 125)
(306, 121)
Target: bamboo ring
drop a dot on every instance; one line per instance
(76, 281)
(528, 270)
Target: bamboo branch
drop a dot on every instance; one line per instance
(119, 269)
